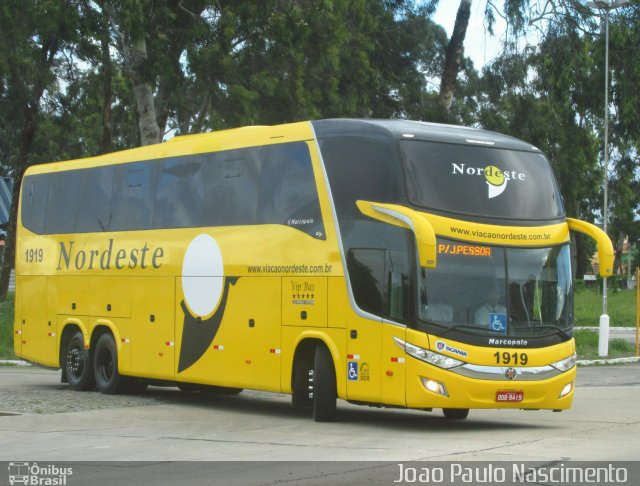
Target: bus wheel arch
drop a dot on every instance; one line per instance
(76, 359)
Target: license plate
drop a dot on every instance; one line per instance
(509, 396)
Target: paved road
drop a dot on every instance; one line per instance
(58, 424)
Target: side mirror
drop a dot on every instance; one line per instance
(409, 219)
(604, 245)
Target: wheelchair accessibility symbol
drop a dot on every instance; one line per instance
(498, 323)
(352, 370)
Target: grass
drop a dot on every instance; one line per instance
(6, 328)
(587, 346)
(621, 307)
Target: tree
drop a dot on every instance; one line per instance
(454, 53)
(32, 35)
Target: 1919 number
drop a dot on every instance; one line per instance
(34, 255)
(511, 358)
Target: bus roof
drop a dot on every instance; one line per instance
(384, 130)
(387, 130)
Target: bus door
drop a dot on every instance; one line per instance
(366, 267)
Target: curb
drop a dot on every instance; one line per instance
(592, 362)
(611, 328)
(14, 362)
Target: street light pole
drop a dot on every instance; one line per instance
(603, 339)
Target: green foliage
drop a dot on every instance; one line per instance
(6, 327)
(587, 346)
(621, 307)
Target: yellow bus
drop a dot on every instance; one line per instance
(387, 263)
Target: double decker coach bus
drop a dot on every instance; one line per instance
(390, 263)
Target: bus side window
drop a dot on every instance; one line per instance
(133, 195)
(288, 189)
(94, 200)
(34, 202)
(231, 188)
(180, 193)
(62, 202)
(366, 273)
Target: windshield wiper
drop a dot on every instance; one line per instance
(558, 329)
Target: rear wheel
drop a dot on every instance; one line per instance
(324, 386)
(105, 365)
(456, 413)
(77, 364)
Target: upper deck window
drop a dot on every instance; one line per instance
(481, 181)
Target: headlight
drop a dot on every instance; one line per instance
(565, 364)
(427, 356)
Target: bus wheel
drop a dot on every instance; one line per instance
(456, 413)
(77, 364)
(105, 365)
(302, 383)
(324, 386)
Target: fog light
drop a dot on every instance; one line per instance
(566, 390)
(435, 386)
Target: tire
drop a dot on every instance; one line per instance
(105, 366)
(78, 365)
(302, 384)
(324, 386)
(455, 413)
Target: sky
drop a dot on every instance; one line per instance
(481, 47)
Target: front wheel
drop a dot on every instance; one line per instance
(324, 386)
(77, 364)
(105, 365)
(455, 413)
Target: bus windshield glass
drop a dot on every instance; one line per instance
(491, 290)
(473, 180)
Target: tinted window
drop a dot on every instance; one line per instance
(288, 190)
(94, 199)
(35, 193)
(380, 279)
(180, 192)
(62, 201)
(232, 181)
(366, 274)
(261, 185)
(133, 194)
(359, 169)
(480, 181)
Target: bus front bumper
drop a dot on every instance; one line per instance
(472, 386)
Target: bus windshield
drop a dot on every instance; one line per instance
(479, 181)
(491, 290)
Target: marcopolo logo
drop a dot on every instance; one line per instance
(495, 178)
